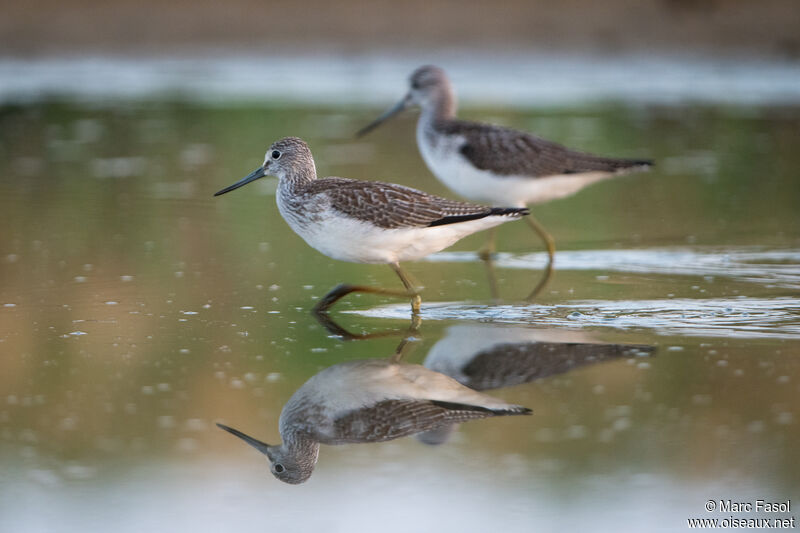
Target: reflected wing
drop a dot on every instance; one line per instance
(392, 419)
(505, 365)
(393, 206)
(508, 152)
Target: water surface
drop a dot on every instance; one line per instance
(136, 310)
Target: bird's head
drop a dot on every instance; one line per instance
(428, 85)
(290, 465)
(284, 158)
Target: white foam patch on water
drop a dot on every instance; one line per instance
(488, 77)
(773, 268)
(716, 317)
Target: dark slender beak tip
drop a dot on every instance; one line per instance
(395, 109)
(256, 174)
(263, 447)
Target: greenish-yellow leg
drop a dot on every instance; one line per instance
(490, 247)
(411, 289)
(492, 277)
(545, 236)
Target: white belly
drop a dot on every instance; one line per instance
(457, 173)
(348, 239)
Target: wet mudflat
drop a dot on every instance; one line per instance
(662, 361)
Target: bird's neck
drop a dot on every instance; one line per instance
(302, 447)
(441, 107)
(299, 178)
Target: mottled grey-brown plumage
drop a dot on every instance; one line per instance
(370, 400)
(393, 206)
(507, 152)
(506, 365)
(392, 419)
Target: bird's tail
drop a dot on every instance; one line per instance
(583, 162)
(510, 211)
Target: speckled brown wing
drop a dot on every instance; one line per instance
(508, 152)
(393, 206)
(392, 419)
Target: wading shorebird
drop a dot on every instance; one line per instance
(488, 163)
(371, 400)
(367, 221)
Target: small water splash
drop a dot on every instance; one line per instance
(717, 317)
(776, 268)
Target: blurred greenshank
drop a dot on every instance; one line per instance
(488, 163)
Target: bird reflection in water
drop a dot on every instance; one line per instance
(485, 356)
(371, 400)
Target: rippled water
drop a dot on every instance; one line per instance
(662, 360)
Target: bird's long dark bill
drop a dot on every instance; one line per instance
(257, 444)
(401, 105)
(253, 176)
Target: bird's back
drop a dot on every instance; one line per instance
(509, 152)
(392, 206)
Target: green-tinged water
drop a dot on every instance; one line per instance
(136, 311)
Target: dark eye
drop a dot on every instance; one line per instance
(415, 85)
(275, 155)
(278, 467)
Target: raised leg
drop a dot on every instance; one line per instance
(340, 291)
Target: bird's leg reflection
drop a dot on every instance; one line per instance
(342, 290)
(404, 347)
(551, 251)
(487, 252)
(548, 273)
(335, 329)
(491, 275)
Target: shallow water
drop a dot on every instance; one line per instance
(136, 310)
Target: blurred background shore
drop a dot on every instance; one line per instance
(713, 27)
